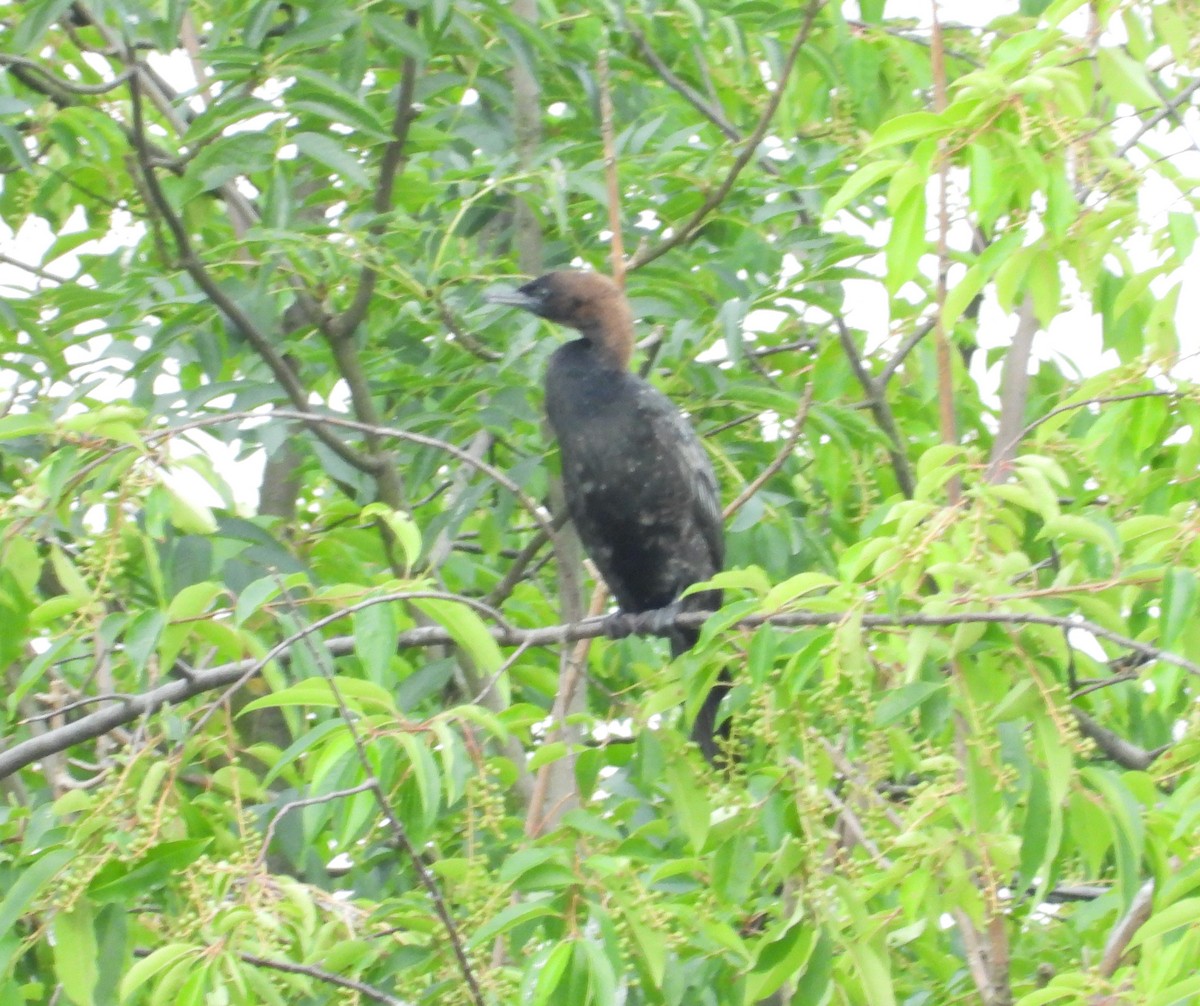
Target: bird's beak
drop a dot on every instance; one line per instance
(514, 298)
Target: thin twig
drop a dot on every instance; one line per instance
(907, 346)
(877, 403)
(780, 458)
(1168, 109)
(535, 510)
(197, 683)
(616, 251)
(1101, 400)
(709, 109)
(378, 995)
(285, 645)
(311, 970)
(393, 160)
(749, 148)
(34, 270)
(311, 801)
(399, 832)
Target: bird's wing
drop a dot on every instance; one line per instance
(692, 468)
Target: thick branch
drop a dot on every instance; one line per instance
(1125, 929)
(1014, 393)
(241, 320)
(1116, 748)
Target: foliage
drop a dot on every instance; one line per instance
(278, 725)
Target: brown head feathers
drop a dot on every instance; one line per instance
(587, 301)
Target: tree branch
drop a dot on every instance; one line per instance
(710, 110)
(1014, 394)
(749, 149)
(242, 321)
(646, 623)
(1125, 929)
(381, 204)
(780, 458)
(877, 403)
(1116, 748)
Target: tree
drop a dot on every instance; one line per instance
(348, 737)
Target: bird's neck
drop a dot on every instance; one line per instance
(611, 338)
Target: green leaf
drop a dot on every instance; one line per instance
(118, 881)
(1045, 285)
(1178, 605)
(907, 129)
(509, 918)
(1125, 79)
(193, 601)
(76, 953)
(254, 596)
(904, 700)
(690, 801)
(874, 976)
(189, 515)
(36, 18)
(906, 244)
(780, 959)
(1182, 913)
(375, 635)
(167, 956)
(548, 753)
(651, 945)
(468, 631)
(550, 972)
(25, 424)
(333, 155)
(359, 695)
(28, 884)
(783, 594)
(862, 179)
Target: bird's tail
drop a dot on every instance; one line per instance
(706, 731)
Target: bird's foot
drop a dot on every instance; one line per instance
(620, 624)
(658, 622)
(661, 621)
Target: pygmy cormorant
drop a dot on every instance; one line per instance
(639, 486)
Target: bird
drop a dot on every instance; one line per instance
(639, 486)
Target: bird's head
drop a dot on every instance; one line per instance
(586, 301)
(582, 300)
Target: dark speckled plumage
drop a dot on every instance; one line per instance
(639, 486)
